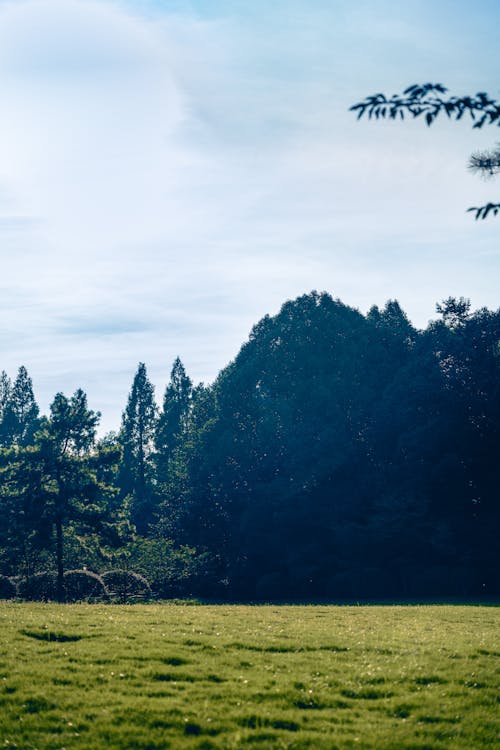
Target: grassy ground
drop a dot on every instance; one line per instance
(149, 677)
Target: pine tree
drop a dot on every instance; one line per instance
(137, 439)
(173, 419)
(5, 392)
(55, 483)
(21, 411)
(65, 446)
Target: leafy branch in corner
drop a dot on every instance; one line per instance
(483, 211)
(426, 101)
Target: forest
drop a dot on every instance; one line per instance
(340, 456)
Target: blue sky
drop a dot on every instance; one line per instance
(172, 171)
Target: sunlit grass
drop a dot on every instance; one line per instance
(149, 677)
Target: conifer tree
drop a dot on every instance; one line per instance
(5, 392)
(173, 419)
(21, 411)
(137, 439)
(66, 444)
(56, 482)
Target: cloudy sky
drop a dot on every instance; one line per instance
(172, 171)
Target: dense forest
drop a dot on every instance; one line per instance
(339, 456)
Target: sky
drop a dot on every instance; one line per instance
(172, 171)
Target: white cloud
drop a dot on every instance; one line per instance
(87, 119)
(167, 180)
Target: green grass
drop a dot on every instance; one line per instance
(149, 677)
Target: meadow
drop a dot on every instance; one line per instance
(149, 677)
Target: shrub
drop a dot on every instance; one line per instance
(7, 588)
(82, 585)
(126, 584)
(39, 587)
(171, 571)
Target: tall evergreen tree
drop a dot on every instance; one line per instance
(5, 393)
(66, 444)
(173, 420)
(57, 482)
(137, 435)
(21, 411)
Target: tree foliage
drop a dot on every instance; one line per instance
(18, 409)
(340, 455)
(427, 101)
(137, 436)
(173, 420)
(54, 484)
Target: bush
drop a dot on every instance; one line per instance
(41, 587)
(7, 588)
(126, 585)
(80, 585)
(172, 572)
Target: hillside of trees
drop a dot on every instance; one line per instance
(339, 456)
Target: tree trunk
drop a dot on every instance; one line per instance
(142, 472)
(59, 556)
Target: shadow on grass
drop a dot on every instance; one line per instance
(50, 635)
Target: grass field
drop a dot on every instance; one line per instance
(148, 677)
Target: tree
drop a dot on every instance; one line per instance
(5, 393)
(55, 483)
(343, 455)
(466, 491)
(137, 435)
(427, 101)
(69, 486)
(277, 471)
(23, 408)
(18, 409)
(173, 419)
(25, 531)
(455, 312)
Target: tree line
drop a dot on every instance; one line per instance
(339, 456)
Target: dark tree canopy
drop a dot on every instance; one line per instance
(340, 455)
(52, 484)
(337, 455)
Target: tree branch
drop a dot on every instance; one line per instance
(424, 100)
(483, 211)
